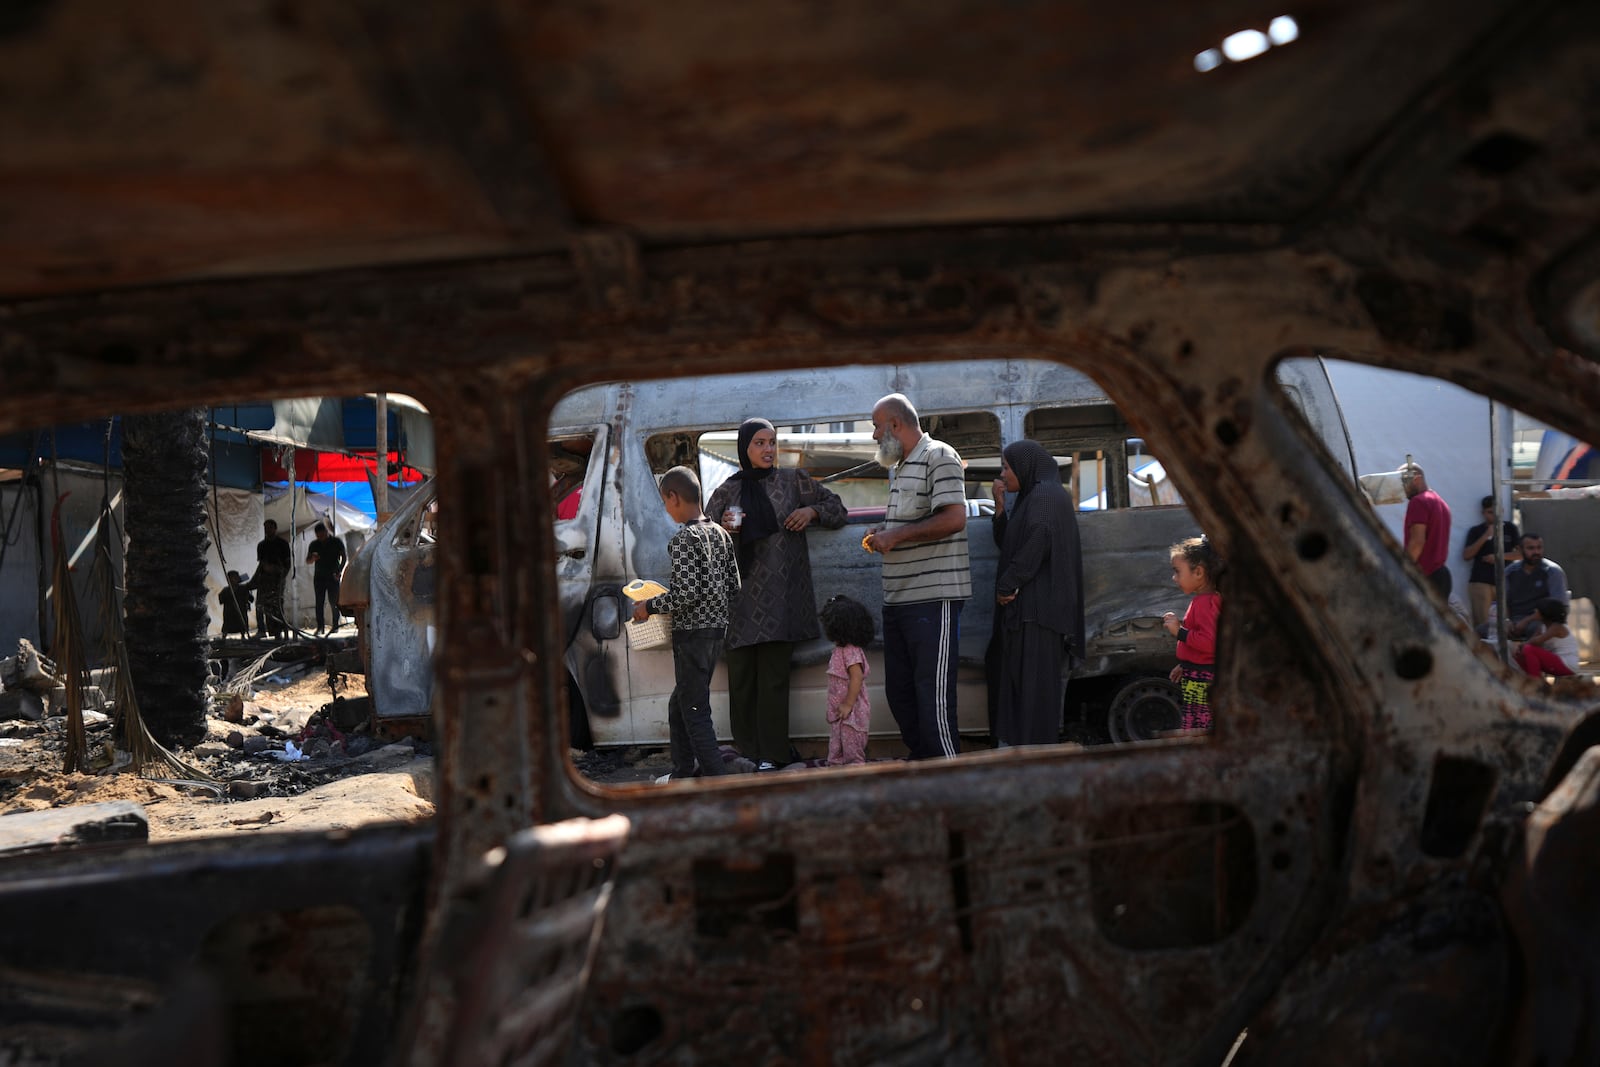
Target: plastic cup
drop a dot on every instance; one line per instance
(736, 517)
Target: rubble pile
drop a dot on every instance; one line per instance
(251, 750)
(27, 681)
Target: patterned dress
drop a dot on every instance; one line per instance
(847, 727)
(777, 602)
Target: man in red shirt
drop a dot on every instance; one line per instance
(1427, 528)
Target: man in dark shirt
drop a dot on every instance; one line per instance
(327, 558)
(273, 560)
(1478, 549)
(1528, 581)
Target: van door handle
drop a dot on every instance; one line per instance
(575, 553)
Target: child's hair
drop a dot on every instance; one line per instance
(681, 480)
(847, 622)
(1551, 610)
(1199, 552)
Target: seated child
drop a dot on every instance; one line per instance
(705, 577)
(1554, 649)
(848, 625)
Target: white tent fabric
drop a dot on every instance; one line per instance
(305, 509)
(416, 431)
(242, 514)
(236, 519)
(306, 422)
(28, 562)
(397, 494)
(1392, 414)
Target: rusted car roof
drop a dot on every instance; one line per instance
(485, 204)
(159, 142)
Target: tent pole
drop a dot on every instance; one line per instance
(381, 498)
(1496, 532)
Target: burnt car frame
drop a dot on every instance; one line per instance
(1343, 869)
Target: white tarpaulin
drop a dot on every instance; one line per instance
(416, 431)
(236, 519)
(1444, 428)
(306, 422)
(243, 513)
(305, 509)
(30, 562)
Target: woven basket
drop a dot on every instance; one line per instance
(654, 632)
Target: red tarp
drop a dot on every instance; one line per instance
(312, 466)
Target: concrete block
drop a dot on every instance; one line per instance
(21, 704)
(77, 826)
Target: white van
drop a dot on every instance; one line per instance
(609, 443)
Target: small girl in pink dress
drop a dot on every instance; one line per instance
(849, 626)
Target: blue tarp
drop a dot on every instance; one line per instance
(238, 461)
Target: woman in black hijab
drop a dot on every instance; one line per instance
(1039, 590)
(776, 606)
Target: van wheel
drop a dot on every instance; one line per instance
(578, 734)
(1143, 709)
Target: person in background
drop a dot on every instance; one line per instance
(273, 562)
(1554, 649)
(1479, 550)
(848, 624)
(1528, 581)
(1427, 527)
(326, 556)
(1039, 593)
(1196, 566)
(927, 577)
(777, 604)
(235, 600)
(705, 579)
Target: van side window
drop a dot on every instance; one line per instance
(678, 448)
(421, 530)
(1103, 463)
(569, 463)
(1148, 483)
(840, 451)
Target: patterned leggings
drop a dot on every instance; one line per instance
(1196, 690)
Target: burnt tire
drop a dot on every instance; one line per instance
(1143, 709)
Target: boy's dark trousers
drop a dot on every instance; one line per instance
(694, 739)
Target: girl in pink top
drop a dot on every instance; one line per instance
(848, 625)
(1196, 568)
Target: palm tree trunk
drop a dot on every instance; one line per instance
(164, 479)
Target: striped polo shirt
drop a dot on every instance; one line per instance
(926, 480)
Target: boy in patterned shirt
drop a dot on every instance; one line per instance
(705, 578)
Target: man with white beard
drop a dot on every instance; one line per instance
(926, 577)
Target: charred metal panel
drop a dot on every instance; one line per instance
(231, 936)
(512, 962)
(966, 902)
(397, 569)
